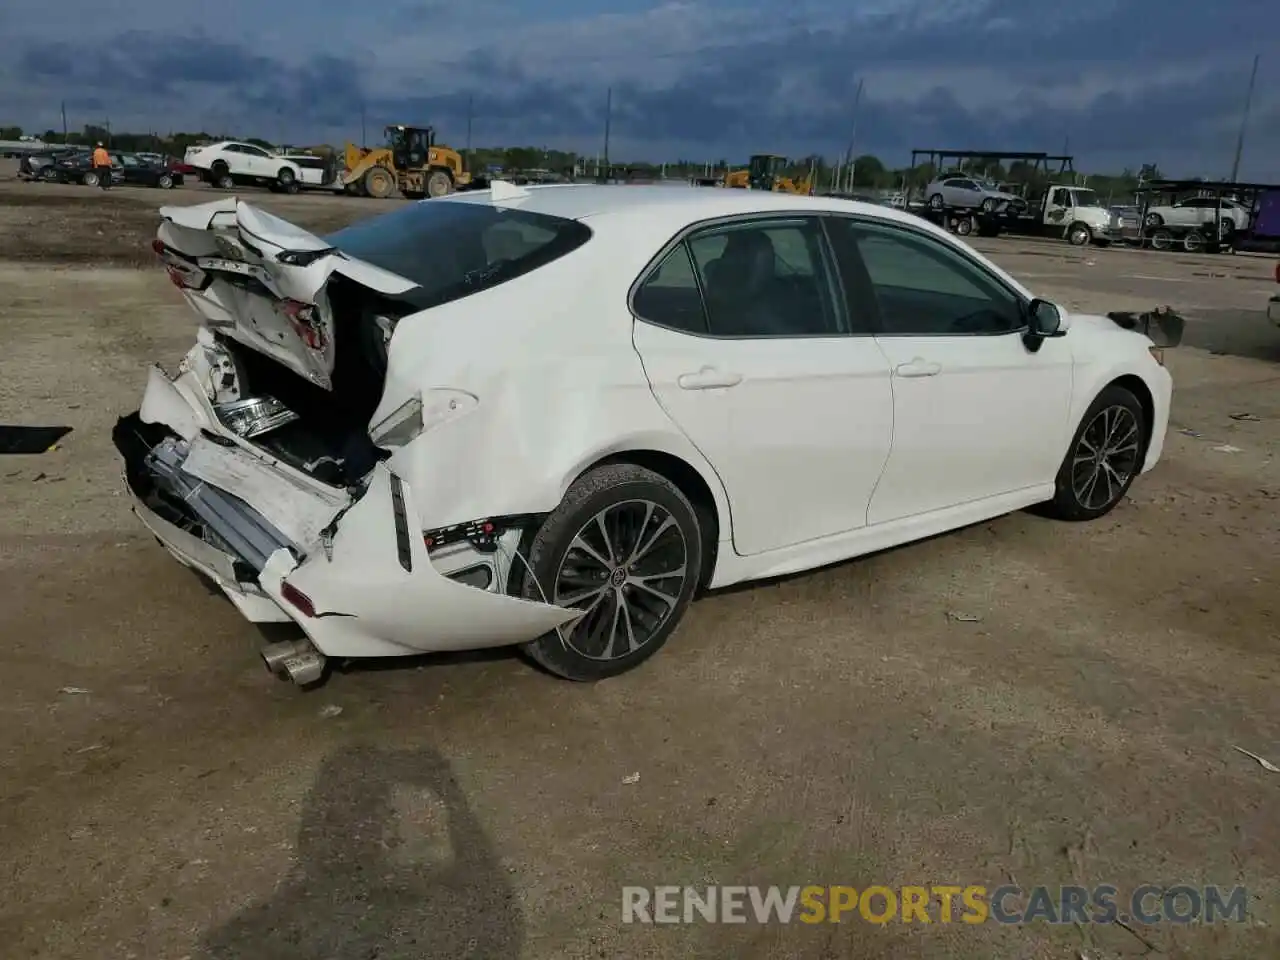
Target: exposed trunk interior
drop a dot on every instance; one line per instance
(330, 439)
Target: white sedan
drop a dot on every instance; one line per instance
(229, 163)
(550, 416)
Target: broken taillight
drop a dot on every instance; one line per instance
(305, 323)
(297, 598)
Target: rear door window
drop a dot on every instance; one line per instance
(452, 249)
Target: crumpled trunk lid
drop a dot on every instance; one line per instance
(261, 281)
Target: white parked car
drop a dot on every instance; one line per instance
(549, 416)
(229, 163)
(969, 193)
(1197, 211)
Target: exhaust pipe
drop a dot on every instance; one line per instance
(295, 660)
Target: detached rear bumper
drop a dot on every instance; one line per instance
(352, 572)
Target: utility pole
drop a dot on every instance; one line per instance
(1244, 120)
(853, 135)
(64, 121)
(470, 104)
(364, 137)
(608, 117)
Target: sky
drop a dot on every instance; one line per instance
(1118, 82)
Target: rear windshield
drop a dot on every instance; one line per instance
(451, 249)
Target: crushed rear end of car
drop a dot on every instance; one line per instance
(259, 463)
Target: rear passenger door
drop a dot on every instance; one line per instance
(748, 348)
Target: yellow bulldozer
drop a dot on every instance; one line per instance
(411, 162)
(764, 172)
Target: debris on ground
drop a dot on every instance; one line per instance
(963, 617)
(332, 710)
(632, 778)
(73, 691)
(1248, 417)
(1227, 448)
(1266, 765)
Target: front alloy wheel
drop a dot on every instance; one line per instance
(625, 547)
(1105, 456)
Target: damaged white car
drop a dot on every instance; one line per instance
(548, 416)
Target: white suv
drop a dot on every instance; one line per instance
(1197, 211)
(229, 163)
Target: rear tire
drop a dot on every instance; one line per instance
(1105, 456)
(90, 179)
(964, 226)
(220, 175)
(636, 599)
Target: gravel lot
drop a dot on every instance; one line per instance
(162, 797)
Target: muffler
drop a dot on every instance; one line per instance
(295, 660)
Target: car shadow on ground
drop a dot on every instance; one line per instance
(1237, 333)
(391, 863)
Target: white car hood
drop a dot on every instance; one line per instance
(230, 240)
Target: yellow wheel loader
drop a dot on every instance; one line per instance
(764, 172)
(412, 162)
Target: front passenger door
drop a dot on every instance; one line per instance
(976, 413)
(748, 349)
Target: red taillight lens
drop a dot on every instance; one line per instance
(299, 599)
(158, 246)
(303, 318)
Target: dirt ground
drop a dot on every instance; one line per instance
(162, 797)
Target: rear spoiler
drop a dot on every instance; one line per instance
(1162, 325)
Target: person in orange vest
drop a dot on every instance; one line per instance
(102, 166)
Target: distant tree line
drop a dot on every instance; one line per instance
(865, 173)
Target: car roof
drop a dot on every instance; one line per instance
(669, 206)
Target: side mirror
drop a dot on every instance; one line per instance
(1046, 319)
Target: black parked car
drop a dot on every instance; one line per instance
(126, 170)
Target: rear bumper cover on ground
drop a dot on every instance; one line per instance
(361, 562)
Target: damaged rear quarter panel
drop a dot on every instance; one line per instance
(560, 386)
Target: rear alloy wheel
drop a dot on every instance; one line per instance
(964, 226)
(624, 546)
(90, 179)
(1105, 456)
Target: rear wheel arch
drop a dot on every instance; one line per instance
(690, 481)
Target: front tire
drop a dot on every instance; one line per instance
(625, 545)
(165, 182)
(1105, 456)
(439, 183)
(90, 179)
(1079, 235)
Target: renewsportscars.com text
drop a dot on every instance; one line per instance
(972, 904)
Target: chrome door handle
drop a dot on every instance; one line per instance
(708, 378)
(918, 367)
